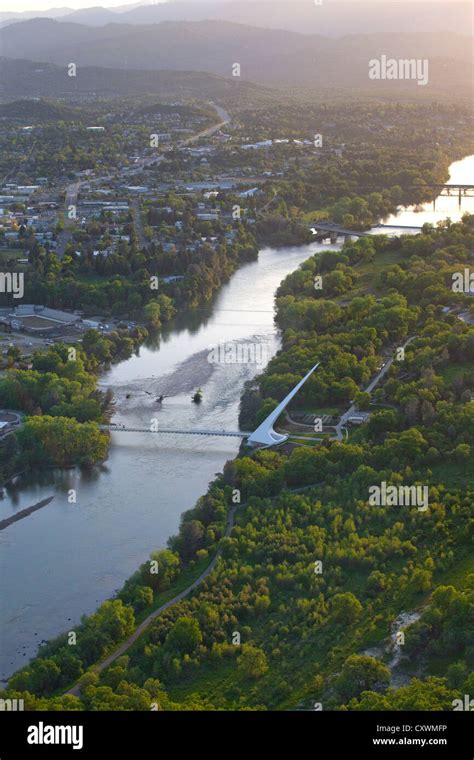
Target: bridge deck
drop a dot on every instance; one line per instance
(168, 431)
(335, 228)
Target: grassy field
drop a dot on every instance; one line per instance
(331, 411)
(368, 270)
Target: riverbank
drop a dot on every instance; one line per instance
(349, 605)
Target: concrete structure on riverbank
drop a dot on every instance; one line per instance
(265, 435)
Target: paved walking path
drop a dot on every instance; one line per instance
(99, 667)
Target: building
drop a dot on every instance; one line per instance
(359, 418)
(40, 319)
(8, 421)
(257, 145)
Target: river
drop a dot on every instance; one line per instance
(65, 559)
(460, 173)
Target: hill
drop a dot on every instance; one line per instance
(266, 56)
(27, 79)
(37, 109)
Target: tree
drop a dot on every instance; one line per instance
(143, 597)
(252, 663)
(362, 400)
(190, 539)
(62, 441)
(184, 636)
(462, 452)
(268, 406)
(361, 673)
(152, 314)
(42, 677)
(167, 565)
(346, 608)
(429, 694)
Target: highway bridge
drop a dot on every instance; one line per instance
(448, 186)
(335, 230)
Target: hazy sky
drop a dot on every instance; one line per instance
(42, 5)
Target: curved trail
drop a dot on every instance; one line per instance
(99, 667)
(76, 689)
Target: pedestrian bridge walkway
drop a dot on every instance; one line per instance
(116, 428)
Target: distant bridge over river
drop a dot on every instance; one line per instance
(333, 230)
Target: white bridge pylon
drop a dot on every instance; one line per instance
(264, 435)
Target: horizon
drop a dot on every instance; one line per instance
(41, 6)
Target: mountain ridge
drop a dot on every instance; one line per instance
(266, 56)
(330, 19)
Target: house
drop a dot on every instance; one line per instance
(172, 278)
(257, 145)
(212, 216)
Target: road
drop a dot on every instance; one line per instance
(72, 190)
(225, 119)
(373, 383)
(76, 689)
(138, 223)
